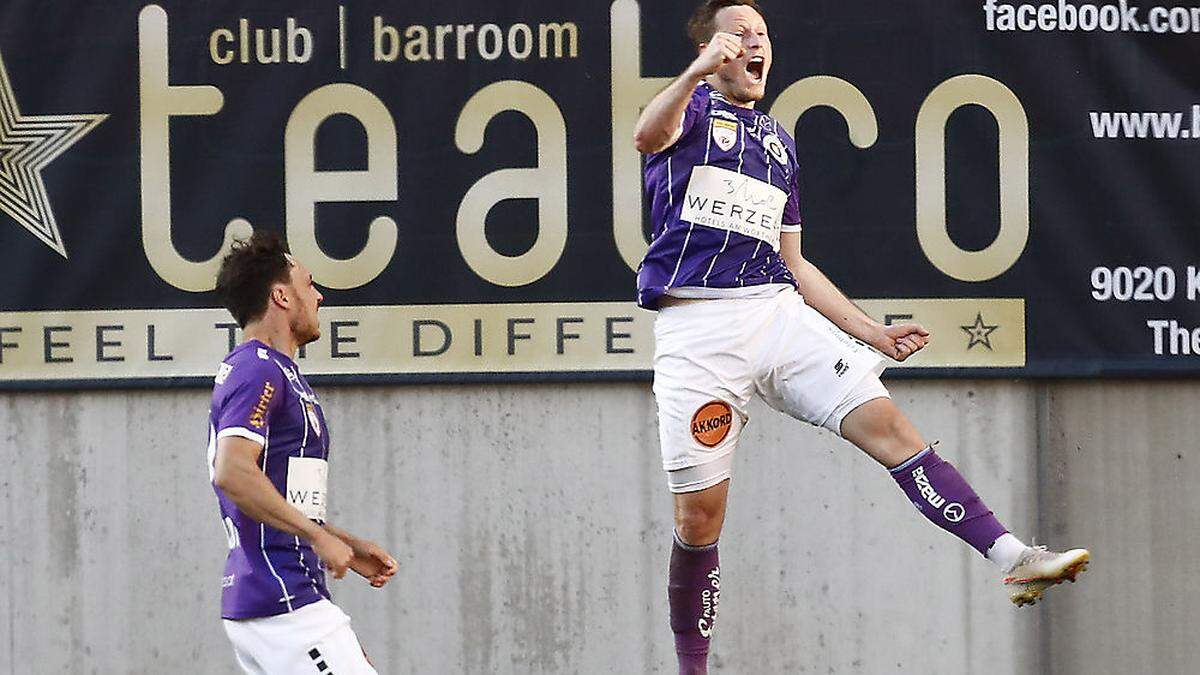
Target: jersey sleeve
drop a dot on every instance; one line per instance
(694, 112)
(791, 209)
(245, 402)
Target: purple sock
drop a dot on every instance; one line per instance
(694, 591)
(947, 500)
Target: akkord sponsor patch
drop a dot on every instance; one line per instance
(711, 423)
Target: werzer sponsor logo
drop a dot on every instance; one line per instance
(727, 200)
(723, 208)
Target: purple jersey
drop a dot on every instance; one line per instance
(719, 197)
(261, 395)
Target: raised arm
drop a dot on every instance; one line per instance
(661, 122)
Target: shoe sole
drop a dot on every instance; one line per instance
(1032, 589)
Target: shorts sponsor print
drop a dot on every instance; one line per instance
(711, 423)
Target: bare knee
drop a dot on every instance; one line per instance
(903, 434)
(883, 432)
(697, 527)
(700, 515)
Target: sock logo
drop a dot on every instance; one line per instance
(954, 512)
(935, 500)
(711, 598)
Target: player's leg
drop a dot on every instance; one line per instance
(702, 384)
(931, 483)
(858, 407)
(826, 378)
(947, 500)
(694, 576)
(700, 515)
(703, 381)
(694, 580)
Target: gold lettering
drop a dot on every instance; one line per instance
(305, 187)
(1013, 127)
(547, 183)
(159, 102)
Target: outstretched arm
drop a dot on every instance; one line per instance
(661, 121)
(899, 341)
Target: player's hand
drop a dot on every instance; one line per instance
(373, 563)
(334, 553)
(721, 49)
(901, 341)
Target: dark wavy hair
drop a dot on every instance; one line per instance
(701, 26)
(248, 272)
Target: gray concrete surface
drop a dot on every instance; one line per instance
(532, 525)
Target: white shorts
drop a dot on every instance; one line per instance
(712, 356)
(314, 639)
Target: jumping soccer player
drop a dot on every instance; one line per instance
(268, 445)
(723, 270)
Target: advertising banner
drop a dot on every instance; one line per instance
(460, 177)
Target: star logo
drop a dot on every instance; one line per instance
(27, 144)
(979, 333)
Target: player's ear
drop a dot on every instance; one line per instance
(279, 295)
(700, 47)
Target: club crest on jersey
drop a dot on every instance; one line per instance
(711, 423)
(775, 146)
(313, 420)
(724, 134)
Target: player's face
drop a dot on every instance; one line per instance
(306, 297)
(744, 80)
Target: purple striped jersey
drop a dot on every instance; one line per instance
(260, 395)
(719, 197)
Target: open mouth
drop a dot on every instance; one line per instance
(755, 67)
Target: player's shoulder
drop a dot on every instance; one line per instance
(709, 98)
(708, 103)
(781, 131)
(250, 363)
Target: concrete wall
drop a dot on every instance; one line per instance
(532, 525)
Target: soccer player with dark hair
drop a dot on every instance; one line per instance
(268, 447)
(742, 312)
